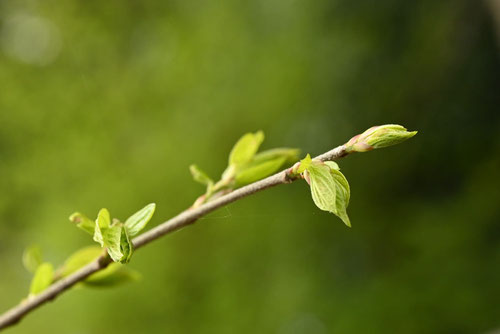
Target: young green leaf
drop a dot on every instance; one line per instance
(304, 164)
(112, 241)
(323, 188)
(291, 155)
(259, 171)
(343, 194)
(114, 274)
(245, 148)
(83, 222)
(135, 223)
(101, 224)
(42, 279)
(264, 164)
(80, 258)
(332, 165)
(200, 176)
(32, 258)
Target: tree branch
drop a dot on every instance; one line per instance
(183, 219)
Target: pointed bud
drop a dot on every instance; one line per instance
(378, 137)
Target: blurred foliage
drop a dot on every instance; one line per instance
(107, 103)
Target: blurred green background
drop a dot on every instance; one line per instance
(107, 103)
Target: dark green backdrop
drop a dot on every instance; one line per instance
(106, 103)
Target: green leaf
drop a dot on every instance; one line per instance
(83, 222)
(111, 238)
(101, 224)
(291, 155)
(323, 188)
(32, 258)
(304, 164)
(80, 258)
(343, 194)
(125, 246)
(114, 274)
(135, 223)
(200, 176)
(258, 171)
(332, 165)
(42, 279)
(245, 148)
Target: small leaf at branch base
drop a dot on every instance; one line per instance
(304, 164)
(42, 279)
(200, 176)
(80, 258)
(135, 223)
(83, 222)
(32, 258)
(245, 148)
(114, 274)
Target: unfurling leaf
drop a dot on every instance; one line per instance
(42, 279)
(116, 236)
(112, 241)
(200, 176)
(323, 189)
(101, 224)
(32, 258)
(83, 222)
(245, 148)
(113, 274)
(135, 223)
(304, 164)
(378, 137)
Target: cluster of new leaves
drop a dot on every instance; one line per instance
(245, 166)
(329, 188)
(113, 236)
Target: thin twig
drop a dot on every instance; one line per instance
(183, 219)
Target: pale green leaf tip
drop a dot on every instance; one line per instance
(32, 257)
(303, 164)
